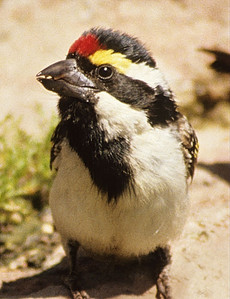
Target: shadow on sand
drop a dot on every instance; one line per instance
(101, 279)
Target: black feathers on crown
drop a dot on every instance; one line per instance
(123, 43)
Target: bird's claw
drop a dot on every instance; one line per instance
(79, 295)
(163, 288)
(73, 285)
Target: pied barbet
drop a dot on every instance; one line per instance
(122, 151)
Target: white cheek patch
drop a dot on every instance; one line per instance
(152, 76)
(119, 119)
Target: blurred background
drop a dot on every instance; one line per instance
(36, 33)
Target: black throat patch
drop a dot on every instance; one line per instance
(104, 159)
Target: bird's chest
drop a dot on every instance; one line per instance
(136, 224)
(81, 211)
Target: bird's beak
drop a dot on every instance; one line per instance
(65, 78)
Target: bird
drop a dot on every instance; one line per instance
(123, 153)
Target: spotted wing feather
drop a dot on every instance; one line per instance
(189, 143)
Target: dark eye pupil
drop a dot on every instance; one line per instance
(105, 72)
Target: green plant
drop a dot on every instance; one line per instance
(25, 179)
(24, 170)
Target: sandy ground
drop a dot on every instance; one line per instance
(34, 34)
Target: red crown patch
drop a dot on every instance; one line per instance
(85, 45)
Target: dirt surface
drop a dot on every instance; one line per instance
(34, 34)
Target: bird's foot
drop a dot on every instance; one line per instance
(72, 282)
(162, 262)
(162, 285)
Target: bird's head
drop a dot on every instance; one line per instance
(104, 61)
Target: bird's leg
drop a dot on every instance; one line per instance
(163, 286)
(162, 283)
(73, 247)
(73, 280)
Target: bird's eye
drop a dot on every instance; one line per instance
(105, 72)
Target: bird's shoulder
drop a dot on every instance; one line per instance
(189, 143)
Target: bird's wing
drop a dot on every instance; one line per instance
(189, 143)
(56, 140)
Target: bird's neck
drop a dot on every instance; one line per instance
(105, 159)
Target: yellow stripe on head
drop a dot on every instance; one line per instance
(117, 60)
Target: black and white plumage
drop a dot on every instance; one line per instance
(122, 151)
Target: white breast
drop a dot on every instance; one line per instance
(141, 220)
